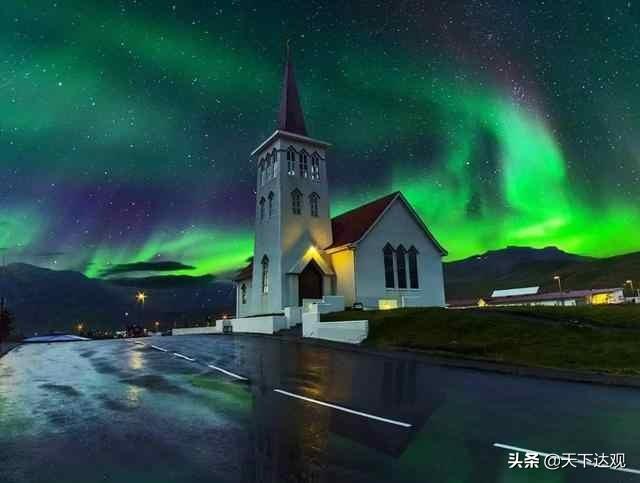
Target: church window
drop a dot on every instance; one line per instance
(265, 274)
(401, 263)
(413, 268)
(304, 165)
(296, 202)
(271, 195)
(291, 162)
(276, 163)
(313, 203)
(315, 167)
(269, 167)
(262, 172)
(262, 201)
(389, 280)
(243, 294)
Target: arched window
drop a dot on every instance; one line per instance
(262, 201)
(291, 162)
(276, 162)
(270, 197)
(243, 294)
(304, 164)
(401, 263)
(262, 172)
(296, 201)
(313, 203)
(269, 167)
(265, 274)
(389, 279)
(315, 167)
(413, 268)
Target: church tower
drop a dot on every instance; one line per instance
(292, 210)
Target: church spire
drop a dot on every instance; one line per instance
(290, 118)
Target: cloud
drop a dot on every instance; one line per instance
(123, 268)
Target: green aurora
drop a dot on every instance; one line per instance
(126, 135)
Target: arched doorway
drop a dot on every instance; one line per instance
(310, 282)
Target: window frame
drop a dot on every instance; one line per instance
(401, 266)
(414, 275)
(265, 274)
(314, 199)
(296, 202)
(389, 268)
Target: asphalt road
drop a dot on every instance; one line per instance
(230, 408)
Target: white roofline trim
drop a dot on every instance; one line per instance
(290, 135)
(415, 215)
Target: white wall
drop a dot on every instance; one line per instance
(343, 265)
(285, 237)
(199, 330)
(348, 331)
(397, 227)
(268, 324)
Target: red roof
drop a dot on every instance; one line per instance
(349, 227)
(245, 273)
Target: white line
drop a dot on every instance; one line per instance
(138, 342)
(159, 348)
(588, 463)
(346, 410)
(182, 356)
(227, 372)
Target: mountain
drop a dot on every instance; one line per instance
(511, 267)
(45, 300)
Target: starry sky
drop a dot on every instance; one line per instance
(126, 126)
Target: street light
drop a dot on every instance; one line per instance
(141, 297)
(557, 278)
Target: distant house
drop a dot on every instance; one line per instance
(529, 296)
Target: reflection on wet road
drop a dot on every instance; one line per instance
(253, 409)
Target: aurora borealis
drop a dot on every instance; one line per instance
(126, 126)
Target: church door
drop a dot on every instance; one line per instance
(310, 282)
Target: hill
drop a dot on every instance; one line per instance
(46, 300)
(511, 267)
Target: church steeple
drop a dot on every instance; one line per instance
(290, 118)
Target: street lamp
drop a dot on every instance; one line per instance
(557, 278)
(141, 297)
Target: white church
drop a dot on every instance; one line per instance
(379, 255)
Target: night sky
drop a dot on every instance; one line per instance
(126, 126)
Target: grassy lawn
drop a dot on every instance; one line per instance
(602, 315)
(502, 336)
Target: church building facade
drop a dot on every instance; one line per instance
(380, 255)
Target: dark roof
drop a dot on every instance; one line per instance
(290, 118)
(245, 273)
(349, 227)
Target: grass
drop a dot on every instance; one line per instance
(602, 315)
(505, 337)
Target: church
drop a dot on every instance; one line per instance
(379, 255)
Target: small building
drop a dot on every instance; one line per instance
(569, 298)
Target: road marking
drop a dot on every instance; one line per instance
(138, 342)
(346, 410)
(159, 348)
(227, 372)
(524, 450)
(182, 356)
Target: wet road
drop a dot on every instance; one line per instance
(125, 412)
